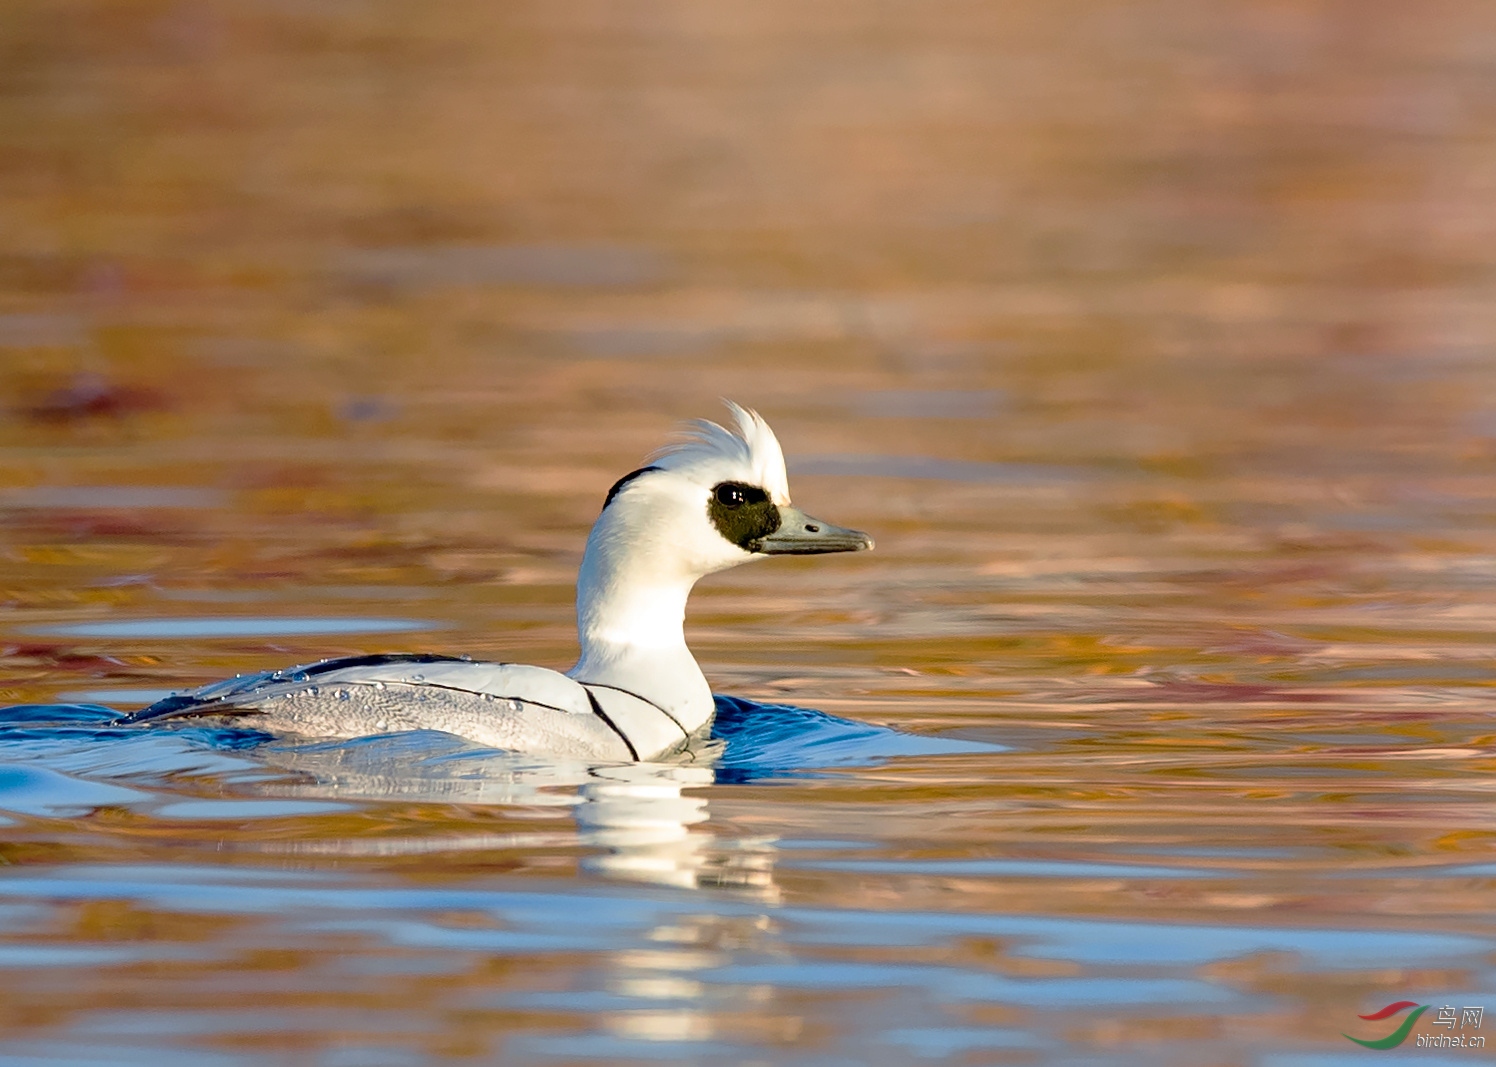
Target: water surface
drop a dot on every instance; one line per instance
(1152, 343)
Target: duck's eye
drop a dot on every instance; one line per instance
(730, 496)
(742, 513)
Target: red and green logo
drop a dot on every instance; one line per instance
(1398, 1036)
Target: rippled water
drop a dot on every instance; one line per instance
(1152, 342)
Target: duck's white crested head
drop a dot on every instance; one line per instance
(709, 500)
(712, 499)
(751, 454)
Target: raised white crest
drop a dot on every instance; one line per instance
(751, 454)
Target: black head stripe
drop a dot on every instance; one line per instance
(742, 513)
(618, 485)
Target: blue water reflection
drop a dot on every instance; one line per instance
(776, 740)
(681, 916)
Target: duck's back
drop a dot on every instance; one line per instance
(511, 706)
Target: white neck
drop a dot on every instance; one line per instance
(631, 610)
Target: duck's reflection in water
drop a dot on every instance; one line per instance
(644, 828)
(638, 822)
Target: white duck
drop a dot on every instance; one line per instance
(711, 500)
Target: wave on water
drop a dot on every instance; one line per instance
(781, 740)
(750, 741)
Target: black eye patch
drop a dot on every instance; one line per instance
(742, 513)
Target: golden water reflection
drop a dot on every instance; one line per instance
(1152, 342)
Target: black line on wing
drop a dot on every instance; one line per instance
(377, 659)
(597, 709)
(175, 705)
(185, 705)
(629, 692)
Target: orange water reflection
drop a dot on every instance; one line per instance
(1152, 342)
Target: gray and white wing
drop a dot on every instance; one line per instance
(511, 706)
